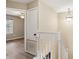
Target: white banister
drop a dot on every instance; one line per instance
(48, 42)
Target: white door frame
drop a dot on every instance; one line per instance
(25, 11)
(25, 19)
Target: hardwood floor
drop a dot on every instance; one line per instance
(15, 50)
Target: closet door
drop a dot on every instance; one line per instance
(31, 23)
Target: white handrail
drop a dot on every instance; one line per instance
(46, 42)
(46, 39)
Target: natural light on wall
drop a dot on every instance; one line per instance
(22, 15)
(9, 26)
(68, 20)
(69, 17)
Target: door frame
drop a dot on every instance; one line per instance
(25, 22)
(25, 12)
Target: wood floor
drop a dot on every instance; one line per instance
(15, 50)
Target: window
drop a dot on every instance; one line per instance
(9, 26)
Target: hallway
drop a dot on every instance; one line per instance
(15, 50)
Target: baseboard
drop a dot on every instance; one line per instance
(30, 53)
(15, 38)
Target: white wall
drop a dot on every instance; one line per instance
(66, 30)
(16, 5)
(47, 23)
(32, 4)
(47, 18)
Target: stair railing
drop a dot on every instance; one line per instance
(47, 42)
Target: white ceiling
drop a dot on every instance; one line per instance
(22, 1)
(58, 5)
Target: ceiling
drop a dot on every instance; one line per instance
(58, 5)
(22, 1)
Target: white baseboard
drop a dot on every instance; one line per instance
(15, 38)
(29, 52)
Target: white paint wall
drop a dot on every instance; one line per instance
(66, 30)
(47, 18)
(47, 23)
(16, 5)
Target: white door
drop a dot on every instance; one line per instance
(31, 23)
